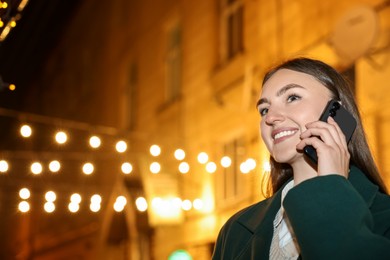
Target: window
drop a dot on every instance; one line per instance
(173, 63)
(129, 115)
(231, 29)
(232, 185)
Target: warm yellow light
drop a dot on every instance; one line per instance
(203, 157)
(22, 4)
(184, 167)
(266, 166)
(211, 167)
(12, 23)
(4, 5)
(36, 168)
(12, 87)
(1, 23)
(3, 166)
(127, 168)
(155, 150)
(244, 168)
(96, 199)
(94, 207)
(186, 205)
(25, 131)
(61, 137)
(54, 166)
(24, 206)
(251, 163)
(156, 202)
(121, 146)
(88, 168)
(141, 204)
(94, 141)
(198, 204)
(24, 193)
(4, 33)
(155, 167)
(49, 207)
(118, 207)
(121, 200)
(73, 207)
(75, 198)
(226, 161)
(50, 196)
(180, 154)
(247, 166)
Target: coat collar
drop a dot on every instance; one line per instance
(259, 218)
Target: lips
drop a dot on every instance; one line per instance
(279, 135)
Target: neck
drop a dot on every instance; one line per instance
(302, 171)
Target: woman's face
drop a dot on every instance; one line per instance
(289, 100)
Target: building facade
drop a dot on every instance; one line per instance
(187, 75)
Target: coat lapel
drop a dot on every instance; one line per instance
(259, 222)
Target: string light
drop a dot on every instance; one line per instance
(54, 166)
(186, 205)
(211, 167)
(226, 161)
(96, 200)
(88, 168)
(61, 137)
(25, 131)
(155, 167)
(75, 198)
(50, 196)
(73, 207)
(24, 193)
(180, 154)
(198, 204)
(155, 150)
(24, 206)
(121, 146)
(36, 168)
(120, 203)
(95, 142)
(203, 158)
(141, 204)
(184, 167)
(49, 207)
(3, 166)
(126, 168)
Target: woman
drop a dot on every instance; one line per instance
(336, 209)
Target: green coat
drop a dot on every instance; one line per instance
(332, 218)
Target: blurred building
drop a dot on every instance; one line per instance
(186, 75)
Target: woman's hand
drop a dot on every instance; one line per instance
(330, 144)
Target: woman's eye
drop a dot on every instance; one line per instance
(263, 111)
(292, 98)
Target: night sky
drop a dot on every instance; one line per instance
(24, 51)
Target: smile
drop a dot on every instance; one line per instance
(284, 134)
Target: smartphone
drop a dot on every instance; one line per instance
(343, 118)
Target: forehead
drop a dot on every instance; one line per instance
(285, 77)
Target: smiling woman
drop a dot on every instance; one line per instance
(336, 209)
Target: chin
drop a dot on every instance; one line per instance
(285, 158)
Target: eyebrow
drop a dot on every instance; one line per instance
(279, 93)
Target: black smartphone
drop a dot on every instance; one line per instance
(343, 118)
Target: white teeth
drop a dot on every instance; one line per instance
(284, 133)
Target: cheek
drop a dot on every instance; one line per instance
(265, 135)
(309, 116)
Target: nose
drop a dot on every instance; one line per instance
(273, 116)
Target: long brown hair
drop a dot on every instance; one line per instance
(341, 90)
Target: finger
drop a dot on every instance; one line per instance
(339, 131)
(329, 132)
